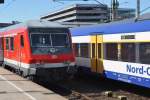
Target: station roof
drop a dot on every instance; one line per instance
(126, 26)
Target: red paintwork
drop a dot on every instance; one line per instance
(27, 57)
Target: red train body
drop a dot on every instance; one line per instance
(37, 48)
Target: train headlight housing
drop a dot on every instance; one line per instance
(39, 63)
(53, 50)
(67, 62)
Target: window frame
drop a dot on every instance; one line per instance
(22, 41)
(125, 57)
(50, 38)
(85, 54)
(140, 52)
(109, 57)
(77, 49)
(93, 47)
(99, 46)
(12, 43)
(7, 43)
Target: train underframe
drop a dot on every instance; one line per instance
(42, 73)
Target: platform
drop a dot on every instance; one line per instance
(14, 87)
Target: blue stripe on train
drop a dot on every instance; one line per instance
(121, 77)
(128, 78)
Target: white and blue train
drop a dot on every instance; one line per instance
(119, 50)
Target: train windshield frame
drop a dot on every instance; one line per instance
(48, 40)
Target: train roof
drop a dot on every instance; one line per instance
(34, 23)
(127, 26)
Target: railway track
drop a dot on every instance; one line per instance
(65, 91)
(93, 88)
(88, 88)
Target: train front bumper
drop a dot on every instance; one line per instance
(53, 65)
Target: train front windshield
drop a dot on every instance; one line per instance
(53, 41)
(50, 40)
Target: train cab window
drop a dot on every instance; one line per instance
(40, 40)
(128, 52)
(111, 51)
(7, 43)
(22, 41)
(12, 43)
(84, 47)
(60, 40)
(144, 53)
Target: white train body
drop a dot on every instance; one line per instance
(119, 51)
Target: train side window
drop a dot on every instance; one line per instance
(93, 50)
(144, 50)
(111, 51)
(7, 43)
(84, 50)
(128, 52)
(22, 41)
(99, 50)
(77, 48)
(12, 43)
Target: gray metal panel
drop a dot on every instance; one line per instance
(34, 23)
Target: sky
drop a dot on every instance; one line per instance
(23, 10)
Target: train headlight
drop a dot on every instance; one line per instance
(39, 63)
(67, 63)
(53, 50)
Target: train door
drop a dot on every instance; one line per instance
(20, 49)
(1, 50)
(97, 54)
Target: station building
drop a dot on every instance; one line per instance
(125, 13)
(87, 13)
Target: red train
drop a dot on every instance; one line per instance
(38, 48)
